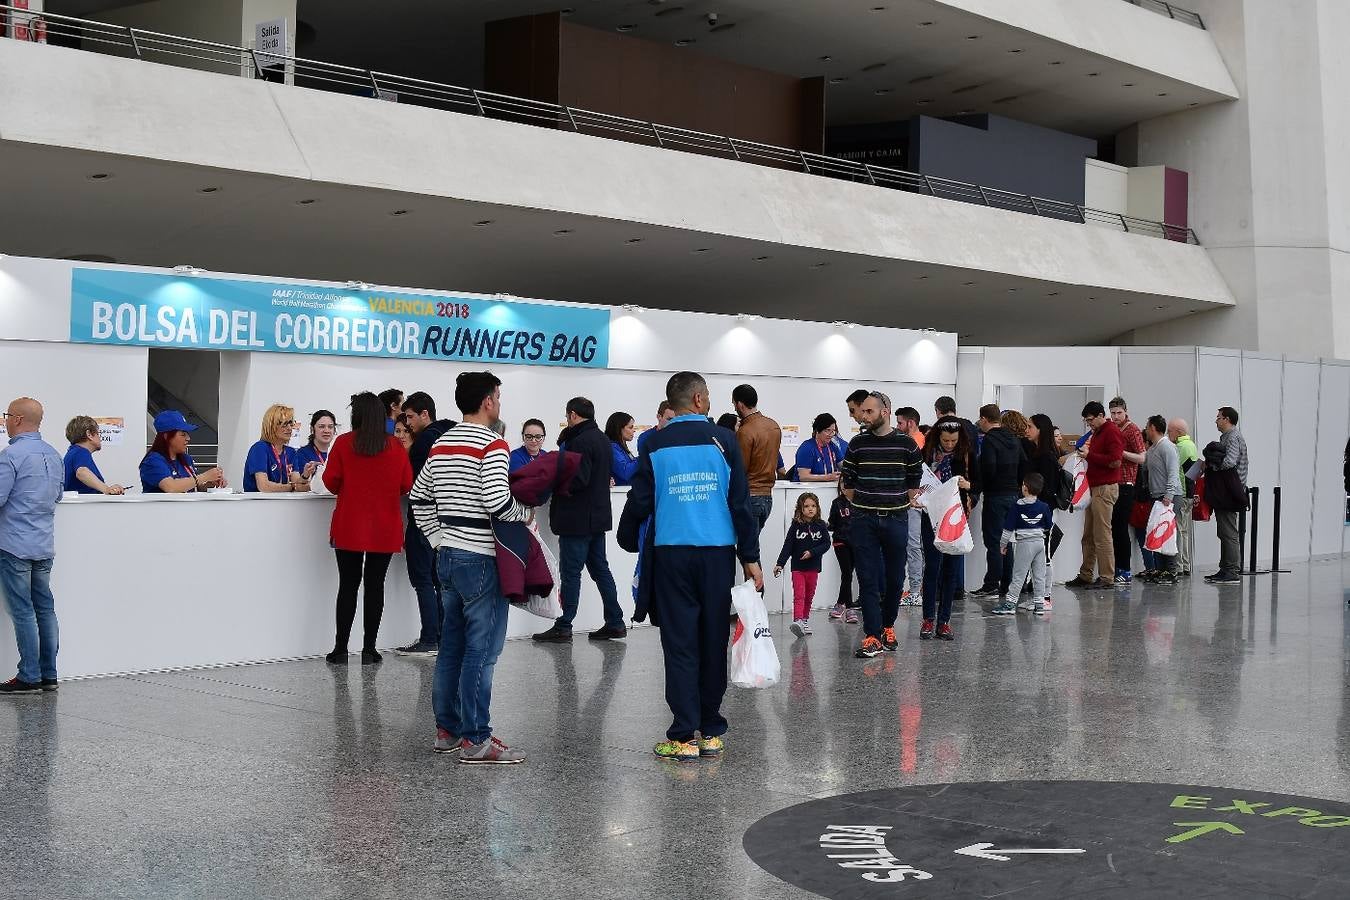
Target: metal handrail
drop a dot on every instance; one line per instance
(155, 46)
(1172, 11)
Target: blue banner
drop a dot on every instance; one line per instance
(200, 313)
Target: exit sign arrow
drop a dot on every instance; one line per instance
(1201, 828)
(986, 851)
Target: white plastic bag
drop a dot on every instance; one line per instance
(1161, 533)
(549, 607)
(754, 659)
(1076, 466)
(951, 525)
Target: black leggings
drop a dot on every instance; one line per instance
(353, 568)
(843, 554)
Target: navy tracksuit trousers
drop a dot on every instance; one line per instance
(693, 600)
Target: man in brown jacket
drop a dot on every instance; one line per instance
(760, 439)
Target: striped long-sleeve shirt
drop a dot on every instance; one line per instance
(462, 486)
(881, 470)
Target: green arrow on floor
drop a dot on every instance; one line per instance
(1201, 828)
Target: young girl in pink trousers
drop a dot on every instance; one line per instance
(807, 541)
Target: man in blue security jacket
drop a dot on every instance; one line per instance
(691, 482)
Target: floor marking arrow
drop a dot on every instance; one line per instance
(1201, 828)
(985, 851)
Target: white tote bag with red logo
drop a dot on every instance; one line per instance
(1076, 466)
(1161, 534)
(951, 526)
(754, 659)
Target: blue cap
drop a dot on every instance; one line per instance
(172, 420)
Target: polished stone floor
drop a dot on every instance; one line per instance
(301, 780)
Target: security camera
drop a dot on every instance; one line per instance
(712, 19)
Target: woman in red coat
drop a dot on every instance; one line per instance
(369, 472)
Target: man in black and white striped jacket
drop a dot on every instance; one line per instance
(461, 488)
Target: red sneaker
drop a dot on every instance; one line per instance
(926, 632)
(944, 632)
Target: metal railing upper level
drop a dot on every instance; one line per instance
(1171, 10)
(250, 63)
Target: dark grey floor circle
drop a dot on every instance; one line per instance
(1059, 839)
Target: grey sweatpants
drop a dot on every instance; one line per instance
(1029, 559)
(914, 552)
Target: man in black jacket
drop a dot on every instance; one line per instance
(580, 520)
(419, 415)
(1002, 460)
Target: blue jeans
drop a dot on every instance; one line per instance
(472, 634)
(760, 507)
(1148, 556)
(880, 544)
(998, 568)
(421, 560)
(27, 587)
(576, 552)
(941, 577)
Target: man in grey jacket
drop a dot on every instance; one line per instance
(1164, 485)
(1234, 457)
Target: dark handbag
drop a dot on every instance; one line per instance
(1064, 493)
(1224, 491)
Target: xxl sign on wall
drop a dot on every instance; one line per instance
(200, 313)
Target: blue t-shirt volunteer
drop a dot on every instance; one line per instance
(309, 454)
(155, 468)
(818, 460)
(77, 458)
(262, 459)
(519, 458)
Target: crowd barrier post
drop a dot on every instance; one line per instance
(1275, 538)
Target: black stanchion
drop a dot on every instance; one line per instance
(1251, 569)
(1242, 538)
(1275, 539)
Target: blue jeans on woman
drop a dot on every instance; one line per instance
(27, 587)
(942, 576)
(473, 631)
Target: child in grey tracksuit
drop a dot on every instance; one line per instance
(1025, 529)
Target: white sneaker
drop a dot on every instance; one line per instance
(797, 628)
(1027, 605)
(1044, 606)
(806, 626)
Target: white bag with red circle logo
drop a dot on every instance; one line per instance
(1161, 534)
(1076, 466)
(951, 526)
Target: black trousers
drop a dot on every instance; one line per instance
(1122, 538)
(355, 567)
(693, 600)
(844, 554)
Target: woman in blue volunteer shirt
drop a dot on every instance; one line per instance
(532, 435)
(271, 466)
(619, 430)
(818, 459)
(322, 433)
(82, 474)
(167, 468)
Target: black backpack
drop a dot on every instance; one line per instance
(1064, 493)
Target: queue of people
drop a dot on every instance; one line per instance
(699, 496)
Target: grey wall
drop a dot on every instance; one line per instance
(995, 152)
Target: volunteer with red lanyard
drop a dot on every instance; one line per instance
(322, 433)
(271, 466)
(818, 459)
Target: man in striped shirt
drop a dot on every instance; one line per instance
(461, 488)
(880, 475)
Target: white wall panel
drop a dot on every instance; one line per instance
(1298, 426)
(1262, 426)
(1158, 380)
(1333, 421)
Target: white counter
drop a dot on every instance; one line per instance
(159, 581)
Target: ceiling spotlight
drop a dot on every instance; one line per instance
(748, 317)
(882, 91)
(1157, 307)
(207, 190)
(306, 201)
(562, 232)
(633, 241)
(839, 80)
(398, 212)
(967, 284)
(1053, 294)
(819, 265)
(928, 330)
(631, 308)
(684, 42)
(99, 176)
(1056, 62)
(187, 270)
(871, 271)
(482, 223)
(762, 258)
(625, 28)
(924, 24)
(824, 58)
(1015, 50)
(1128, 84)
(842, 324)
(357, 286)
(923, 102)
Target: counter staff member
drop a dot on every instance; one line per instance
(82, 474)
(271, 466)
(322, 432)
(167, 468)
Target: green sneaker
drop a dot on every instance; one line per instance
(677, 750)
(712, 746)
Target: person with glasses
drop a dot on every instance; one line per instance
(532, 436)
(323, 429)
(271, 466)
(167, 467)
(82, 474)
(30, 485)
(818, 459)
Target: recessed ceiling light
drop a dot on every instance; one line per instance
(878, 9)
(1056, 62)
(305, 201)
(398, 212)
(1093, 74)
(921, 79)
(839, 80)
(1012, 290)
(566, 11)
(483, 223)
(1160, 307)
(967, 284)
(1015, 50)
(1092, 299)
(207, 190)
(624, 28)
(874, 67)
(923, 278)
(1192, 104)
(924, 24)
(1128, 84)
(633, 241)
(100, 176)
(825, 58)
(762, 258)
(1124, 303)
(923, 102)
(819, 265)
(357, 286)
(684, 42)
(1006, 99)
(187, 270)
(968, 88)
(1162, 93)
(562, 232)
(749, 317)
(701, 250)
(972, 37)
(669, 10)
(1053, 294)
(871, 271)
(880, 91)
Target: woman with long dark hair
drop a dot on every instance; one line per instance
(619, 430)
(948, 452)
(168, 468)
(370, 473)
(1044, 459)
(322, 432)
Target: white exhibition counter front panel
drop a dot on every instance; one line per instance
(166, 581)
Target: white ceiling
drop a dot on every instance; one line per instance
(152, 213)
(958, 63)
